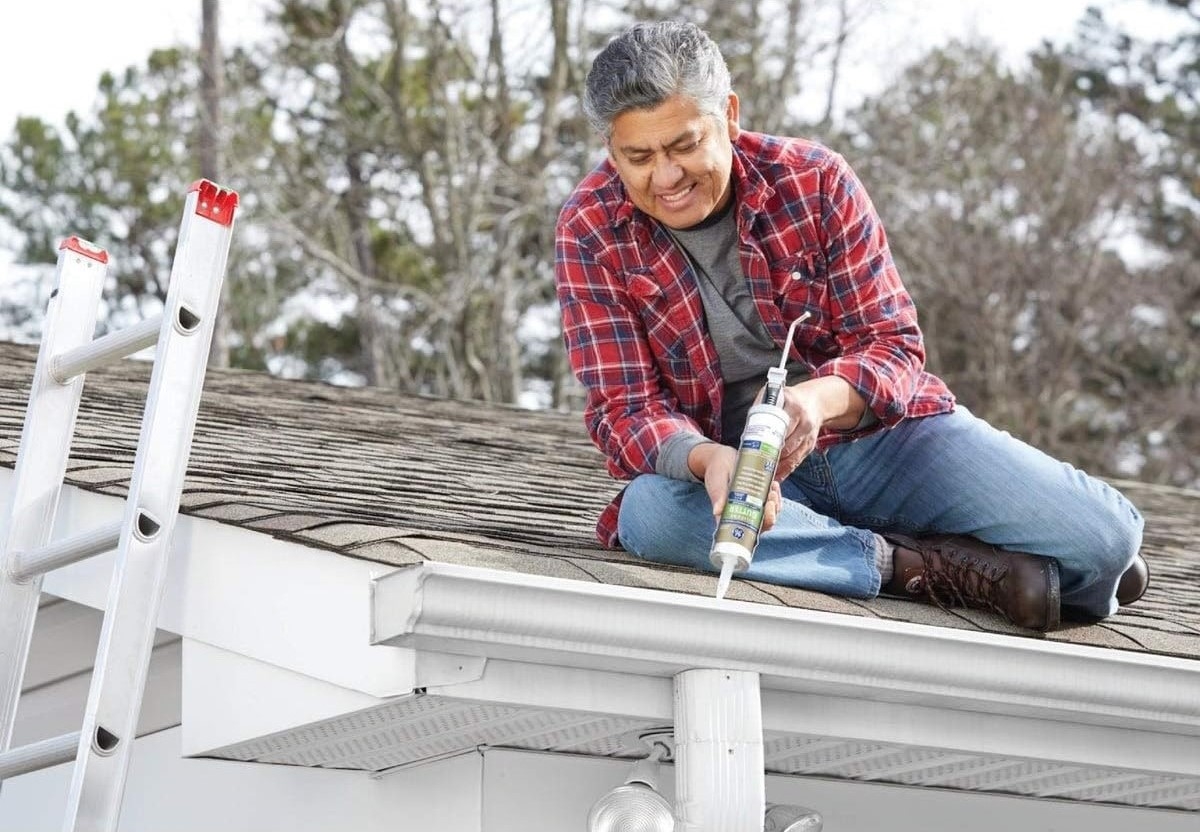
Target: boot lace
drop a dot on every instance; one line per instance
(956, 578)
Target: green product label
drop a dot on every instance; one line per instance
(742, 513)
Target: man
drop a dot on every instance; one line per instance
(681, 261)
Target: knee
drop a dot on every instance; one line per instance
(643, 504)
(637, 507)
(659, 517)
(1118, 537)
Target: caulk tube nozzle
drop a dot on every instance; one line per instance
(727, 564)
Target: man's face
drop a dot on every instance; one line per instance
(674, 160)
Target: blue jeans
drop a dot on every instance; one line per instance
(952, 473)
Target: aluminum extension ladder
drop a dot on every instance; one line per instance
(183, 333)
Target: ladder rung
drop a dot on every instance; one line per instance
(65, 552)
(39, 755)
(105, 349)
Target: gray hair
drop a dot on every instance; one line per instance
(650, 62)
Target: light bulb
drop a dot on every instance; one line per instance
(782, 818)
(632, 807)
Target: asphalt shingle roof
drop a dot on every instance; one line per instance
(403, 479)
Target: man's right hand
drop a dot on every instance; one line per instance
(713, 464)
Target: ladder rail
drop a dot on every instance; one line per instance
(42, 459)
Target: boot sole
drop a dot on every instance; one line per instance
(1054, 596)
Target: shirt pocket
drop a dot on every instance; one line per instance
(801, 286)
(661, 317)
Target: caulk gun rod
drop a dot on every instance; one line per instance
(787, 347)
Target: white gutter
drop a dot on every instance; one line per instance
(489, 613)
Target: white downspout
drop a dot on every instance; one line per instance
(720, 785)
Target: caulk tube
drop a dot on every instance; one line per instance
(758, 456)
(745, 508)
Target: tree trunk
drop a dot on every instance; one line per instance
(209, 148)
(372, 328)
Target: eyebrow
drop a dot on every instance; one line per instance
(685, 136)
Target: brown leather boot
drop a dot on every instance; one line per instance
(1133, 583)
(954, 570)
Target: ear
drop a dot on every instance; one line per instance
(732, 108)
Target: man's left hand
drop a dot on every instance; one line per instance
(803, 407)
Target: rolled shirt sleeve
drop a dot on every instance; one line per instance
(882, 353)
(630, 412)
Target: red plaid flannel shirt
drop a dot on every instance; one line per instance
(811, 241)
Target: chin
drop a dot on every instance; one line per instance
(685, 219)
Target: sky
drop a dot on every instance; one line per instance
(53, 51)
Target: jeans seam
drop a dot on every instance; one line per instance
(880, 525)
(867, 540)
(835, 499)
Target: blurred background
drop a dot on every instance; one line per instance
(401, 164)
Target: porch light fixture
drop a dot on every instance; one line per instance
(636, 805)
(783, 818)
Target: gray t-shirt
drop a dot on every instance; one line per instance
(743, 345)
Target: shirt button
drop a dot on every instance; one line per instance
(797, 275)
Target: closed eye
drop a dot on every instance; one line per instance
(681, 147)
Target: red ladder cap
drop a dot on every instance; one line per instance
(82, 246)
(214, 202)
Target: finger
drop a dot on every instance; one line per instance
(718, 503)
(796, 452)
(796, 442)
(770, 512)
(787, 464)
(784, 468)
(772, 507)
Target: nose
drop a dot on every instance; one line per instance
(666, 171)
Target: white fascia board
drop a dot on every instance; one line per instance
(300, 608)
(474, 611)
(528, 685)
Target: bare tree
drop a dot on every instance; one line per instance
(835, 60)
(1005, 206)
(776, 50)
(438, 144)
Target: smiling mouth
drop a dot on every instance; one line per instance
(675, 197)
